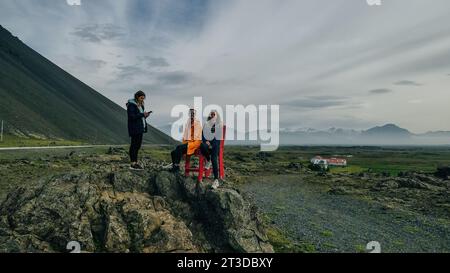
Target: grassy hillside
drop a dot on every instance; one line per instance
(40, 100)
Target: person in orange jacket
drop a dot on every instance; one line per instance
(192, 139)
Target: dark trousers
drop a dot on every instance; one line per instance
(136, 143)
(178, 153)
(212, 154)
(181, 150)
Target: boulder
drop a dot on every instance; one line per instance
(88, 209)
(429, 179)
(413, 184)
(123, 211)
(388, 184)
(116, 151)
(229, 221)
(443, 172)
(294, 166)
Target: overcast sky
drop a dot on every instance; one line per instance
(327, 63)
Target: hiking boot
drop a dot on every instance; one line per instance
(136, 167)
(175, 168)
(208, 165)
(215, 184)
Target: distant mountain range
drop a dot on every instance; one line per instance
(390, 130)
(39, 99)
(389, 134)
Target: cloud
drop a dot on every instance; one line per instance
(97, 64)
(172, 82)
(408, 83)
(174, 78)
(97, 33)
(415, 101)
(309, 56)
(129, 71)
(154, 62)
(80, 65)
(318, 102)
(380, 91)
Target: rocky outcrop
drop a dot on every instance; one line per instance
(120, 211)
(443, 172)
(413, 181)
(228, 221)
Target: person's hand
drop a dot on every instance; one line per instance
(146, 114)
(208, 143)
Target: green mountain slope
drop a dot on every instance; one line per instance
(38, 98)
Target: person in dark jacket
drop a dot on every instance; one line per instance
(137, 126)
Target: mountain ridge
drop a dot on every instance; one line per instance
(40, 99)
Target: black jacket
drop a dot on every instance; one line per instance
(215, 143)
(135, 124)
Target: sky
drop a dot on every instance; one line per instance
(327, 63)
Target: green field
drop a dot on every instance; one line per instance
(12, 141)
(390, 160)
(294, 199)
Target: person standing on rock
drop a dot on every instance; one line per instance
(192, 139)
(137, 126)
(211, 138)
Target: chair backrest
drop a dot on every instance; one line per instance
(221, 159)
(224, 134)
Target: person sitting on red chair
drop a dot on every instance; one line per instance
(211, 138)
(192, 139)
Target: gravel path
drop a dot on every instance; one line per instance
(342, 223)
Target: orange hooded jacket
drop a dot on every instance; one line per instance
(193, 136)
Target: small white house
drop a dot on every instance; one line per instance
(318, 160)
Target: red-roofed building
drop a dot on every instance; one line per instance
(318, 160)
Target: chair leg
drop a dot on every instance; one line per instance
(221, 165)
(187, 166)
(200, 169)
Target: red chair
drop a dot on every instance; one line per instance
(202, 172)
